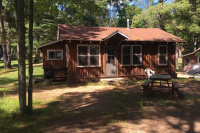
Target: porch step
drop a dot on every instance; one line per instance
(113, 81)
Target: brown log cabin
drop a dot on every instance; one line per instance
(83, 54)
(190, 59)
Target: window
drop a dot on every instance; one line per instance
(126, 55)
(94, 55)
(162, 55)
(137, 55)
(131, 55)
(82, 55)
(54, 54)
(88, 55)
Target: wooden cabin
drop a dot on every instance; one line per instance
(91, 53)
(190, 59)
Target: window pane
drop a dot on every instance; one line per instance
(58, 55)
(136, 50)
(126, 60)
(94, 50)
(137, 59)
(82, 50)
(94, 60)
(83, 60)
(51, 55)
(162, 60)
(126, 49)
(163, 50)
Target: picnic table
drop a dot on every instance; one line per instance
(161, 83)
(163, 79)
(152, 84)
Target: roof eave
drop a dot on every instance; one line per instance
(46, 44)
(116, 32)
(191, 53)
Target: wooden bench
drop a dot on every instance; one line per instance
(175, 91)
(147, 88)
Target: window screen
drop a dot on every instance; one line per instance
(83, 56)
(137, 55)
(126, 55)
(162, 55)
(89, 55)
(54, 54)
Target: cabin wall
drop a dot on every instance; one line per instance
(73, 73)
(149, 60)
(192, 60)
(58, 67)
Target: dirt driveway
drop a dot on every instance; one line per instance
(121, 109)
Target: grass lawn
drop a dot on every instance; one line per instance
(97, 107)
(10, 76)
(179, 65)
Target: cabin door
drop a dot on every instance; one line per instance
(186, 64)
(111, 67)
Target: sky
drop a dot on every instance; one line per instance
(168, 1)
(141, 3)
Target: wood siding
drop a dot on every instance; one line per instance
(73, 73)
(193, 60)
(149, 60)
(83, 72)
(58, 67)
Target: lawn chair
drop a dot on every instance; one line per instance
(149, 72)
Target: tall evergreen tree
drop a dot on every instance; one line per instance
(3, 36)
(30, 55)
(20, 26)
(160, 24)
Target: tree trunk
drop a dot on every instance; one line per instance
(37, 56)
(3, 37)
(9, 45)
(177, 47)
(30, 55)
(20, 26)
(195, 43)
(160, 24)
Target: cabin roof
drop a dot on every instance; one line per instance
(100, 33)
(49, 43)
(198, 50)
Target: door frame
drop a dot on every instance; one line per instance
(115, 58)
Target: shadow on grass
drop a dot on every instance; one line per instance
(7, 71)
(7, 80)
(107, 111)
(87, 114)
